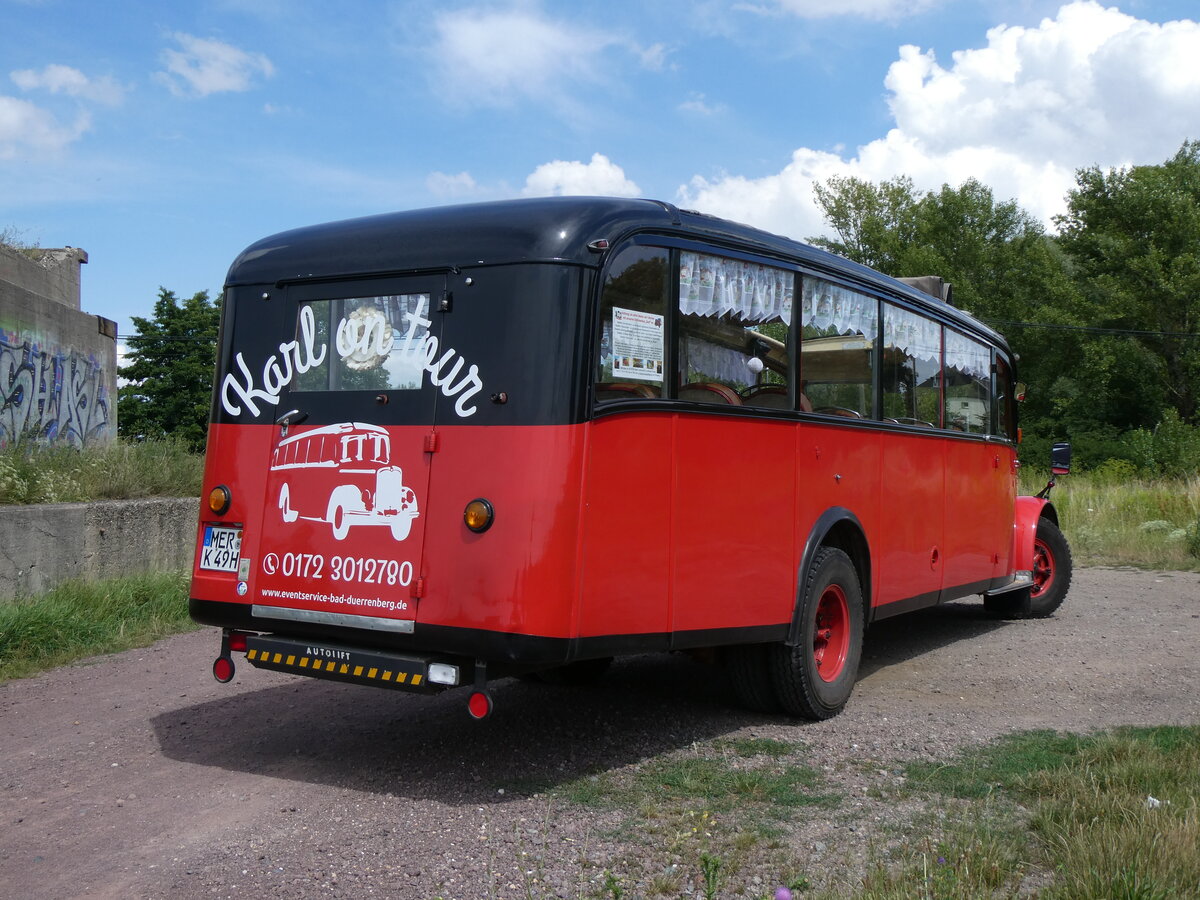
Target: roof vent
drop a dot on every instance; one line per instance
(933, 285)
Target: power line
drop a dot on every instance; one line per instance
(1092, 329)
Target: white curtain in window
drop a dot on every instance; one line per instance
(715, 286)
(715, 363)
(968, 356)
(825, 305)
(917, 336)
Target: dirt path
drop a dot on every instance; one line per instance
(138, 776)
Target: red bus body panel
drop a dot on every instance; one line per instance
(687, 525)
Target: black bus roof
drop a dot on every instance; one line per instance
(547, 229)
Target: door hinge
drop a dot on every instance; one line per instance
(418, 590)
(446, 302)
(433, 441)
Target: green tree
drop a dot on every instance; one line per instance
(1133, 235)
(170, 370)
(1003, 267)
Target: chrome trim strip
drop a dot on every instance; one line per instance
(375, 623)
(1020, 580)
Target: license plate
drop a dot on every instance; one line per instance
(222, 547)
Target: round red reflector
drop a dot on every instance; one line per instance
(223, 669)
(479, 705)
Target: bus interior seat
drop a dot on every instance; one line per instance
(709, 392)
(622, 390)
(767, 396)
(839, 411)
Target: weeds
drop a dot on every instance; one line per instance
(121, 470)
(1152, 523)
(81, 619)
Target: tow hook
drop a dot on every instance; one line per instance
(480, 704)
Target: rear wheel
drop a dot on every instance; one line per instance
(580, 672)
(814, 678)
(749, 668)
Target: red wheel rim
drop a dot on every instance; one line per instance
(1043, 568)
(831, 633)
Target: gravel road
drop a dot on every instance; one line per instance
(137, 775)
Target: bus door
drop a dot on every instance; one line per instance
(347, 488)
(912, 551)
(506, 380)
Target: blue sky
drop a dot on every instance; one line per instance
(164, 137)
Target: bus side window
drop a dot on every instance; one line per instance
(968, 384)
(912, 368)
(1005, 398)
(837, 344)
(633, 317)
(734, 317)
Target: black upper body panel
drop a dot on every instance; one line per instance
(550, 229)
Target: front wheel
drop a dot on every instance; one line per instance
(814, 678)
(1052, 568)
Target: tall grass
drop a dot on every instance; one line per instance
(1121, 519)
(1109, 815)
(81, 619)
(122, 470)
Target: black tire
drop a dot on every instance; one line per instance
(1052, 567)
(749, 669)
(578, 673)
(831, 584)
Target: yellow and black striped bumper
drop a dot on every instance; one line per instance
(319, 659)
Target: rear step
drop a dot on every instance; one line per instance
(341, 663)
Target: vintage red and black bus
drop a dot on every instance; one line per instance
(525, 437)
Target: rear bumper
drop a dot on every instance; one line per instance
(338, 662)
(503, 650)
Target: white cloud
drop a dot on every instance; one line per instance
(452, 187)
(823, 9)
(59, 79)
(600, 177)
(498, 58)
(698, 104)
(25, 127)
(204, 66)
(1090, 86)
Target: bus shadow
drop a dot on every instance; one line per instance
(427, 747)
(539, 737)
(906, 637)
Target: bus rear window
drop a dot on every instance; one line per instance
(374, 342)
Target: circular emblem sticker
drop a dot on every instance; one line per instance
(242, 588)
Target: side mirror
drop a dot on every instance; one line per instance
(1060, 458)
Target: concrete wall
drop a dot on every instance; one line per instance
(58, 365)
(43, 546)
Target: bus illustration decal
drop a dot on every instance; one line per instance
(342, 475)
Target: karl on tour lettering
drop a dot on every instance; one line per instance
(355, 338)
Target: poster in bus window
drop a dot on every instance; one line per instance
(637, 345)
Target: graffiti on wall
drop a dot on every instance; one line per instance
(50, 394)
